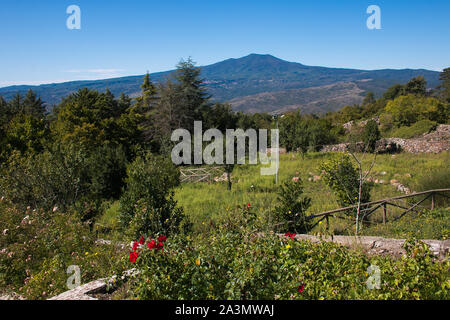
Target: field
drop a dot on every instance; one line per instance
(208, 204)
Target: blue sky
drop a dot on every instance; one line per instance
(119, 38)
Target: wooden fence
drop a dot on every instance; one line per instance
(195, 175)
(369, 208)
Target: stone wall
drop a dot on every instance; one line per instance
(434, 142)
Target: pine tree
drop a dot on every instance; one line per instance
(33, 105)
(445, 86)
(147, 100)
(192, 94)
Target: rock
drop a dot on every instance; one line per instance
(408, 175)
(295, 179)
(317, 178)
(383, 173)
(393, 181)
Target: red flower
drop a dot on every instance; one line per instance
(142, 240)
(151, 244)
(133, 256)
(135, 245)
(248, 206)
(301, 288)
(162, 238)
(160, 245)
(290, 235)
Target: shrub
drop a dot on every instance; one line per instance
(371, 135)
(38, 246)
(148, 205)
(415, 130)
(342, 177)
(242, 265)
(291, 211)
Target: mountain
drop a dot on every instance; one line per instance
(259, 83)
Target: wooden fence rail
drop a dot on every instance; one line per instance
(195, 175)
(370, 207)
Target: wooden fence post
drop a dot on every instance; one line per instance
(432, 201)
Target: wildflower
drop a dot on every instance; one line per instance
(248, 205)
(300, 288)
(197, 262)
(86, 253)
(320, 222)
(55, 209)
(133, 256)
(135, 245)
(290, 235)
(160, 246)
(162, 238)
(288, 246)
(141, 240)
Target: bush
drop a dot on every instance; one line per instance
(148, 206)
(342, 177)
(417, 129)
(242, 265)
(371, 135)
(291, 211)
(63, 176)
(38, 246)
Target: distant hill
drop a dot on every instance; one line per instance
(259, 83)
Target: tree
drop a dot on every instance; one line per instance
(33, 105)
(348, 182)
(417, 86)
(393, 92)
(291, 210)
(193, 98)
(147, 205)
(445, 86)
(369, 99)
(371, 135)
(406, 110)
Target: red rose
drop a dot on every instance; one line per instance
(162, 238)
(301, 288)
(135, 245)
(142, 240)
(290, 235)
(160, 245)
(151, 244)
(133, 256)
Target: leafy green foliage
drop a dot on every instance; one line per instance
(240, 265)
(416, 130)
(147, 205)
(409, 109)
(342, 177)
(371, 135)
(38, 246)
(291, 211)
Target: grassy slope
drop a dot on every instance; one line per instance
(208, 203)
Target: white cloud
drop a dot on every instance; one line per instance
(98, 71)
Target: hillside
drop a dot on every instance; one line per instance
(257, 83)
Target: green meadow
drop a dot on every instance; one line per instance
(209, 204)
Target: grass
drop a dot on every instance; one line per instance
(210, 203)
